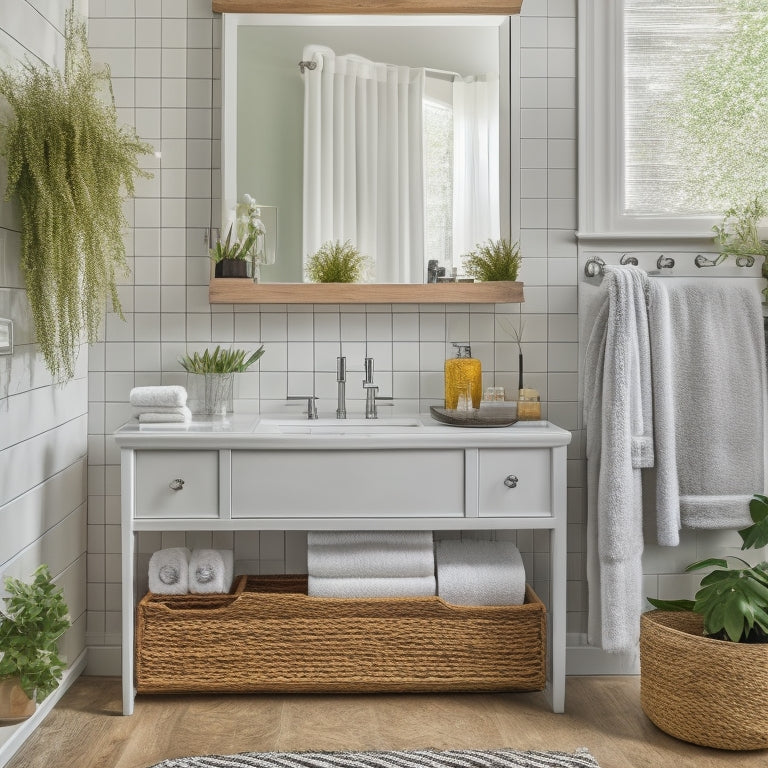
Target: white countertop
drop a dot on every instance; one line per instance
(275, 431)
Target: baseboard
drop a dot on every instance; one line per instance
(13, 737)
(104, 661)
(583, 659)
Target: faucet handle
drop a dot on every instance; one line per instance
(311, 406)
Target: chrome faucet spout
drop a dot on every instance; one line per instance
(341, 378)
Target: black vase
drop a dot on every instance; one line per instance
(231, 268)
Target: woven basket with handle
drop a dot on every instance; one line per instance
(269, 636)
(704, 691)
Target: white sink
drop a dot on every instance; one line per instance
(388, 425)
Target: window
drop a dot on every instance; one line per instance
(673, 113)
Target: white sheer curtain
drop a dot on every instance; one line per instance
(363, 169)
(476, 203)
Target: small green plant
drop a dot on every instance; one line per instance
(733, 601)
(493, 260)
(738, 235)
(69, 162)
(220, 361)
(34, 619)
(336, 262)
(233, 250)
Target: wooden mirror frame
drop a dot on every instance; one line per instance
(245, 291)
(495, 7)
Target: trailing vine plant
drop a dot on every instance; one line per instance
(69, 165)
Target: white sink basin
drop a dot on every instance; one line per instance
(389, 425)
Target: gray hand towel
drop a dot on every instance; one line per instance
(709, 385)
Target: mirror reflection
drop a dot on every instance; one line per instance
(390, 138)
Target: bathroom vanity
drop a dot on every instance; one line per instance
(403, 473)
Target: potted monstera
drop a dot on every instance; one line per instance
(704, 662)
(34, 618)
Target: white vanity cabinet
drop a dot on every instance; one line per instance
(244, 473)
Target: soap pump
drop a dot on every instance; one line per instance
(463, 374)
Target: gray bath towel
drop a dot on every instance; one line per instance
(709, 380)
(618, 418)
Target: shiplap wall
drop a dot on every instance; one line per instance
(43, 425)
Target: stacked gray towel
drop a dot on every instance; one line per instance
(160, 405)
(479, 572)
(370, 563)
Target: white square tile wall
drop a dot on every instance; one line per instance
(166, 63)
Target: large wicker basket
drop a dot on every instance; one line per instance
(270, 636)
(708, 692)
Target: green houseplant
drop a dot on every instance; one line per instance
(493, 260)
(212, 376)
(69, 163)
(336, 262)
(737, 235)
(34, 619)
(230, 257)
(708, 656)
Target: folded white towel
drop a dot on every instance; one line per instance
(139, 409)
(409, 586)
(211, 571)
(184, 415)
(375, 538)
(171, 395)
(169, 571)
(479, 572)
(386, 559)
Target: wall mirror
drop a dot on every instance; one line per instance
(457, 59)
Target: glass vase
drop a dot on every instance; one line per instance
(211, 393)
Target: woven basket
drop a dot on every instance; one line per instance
(269, 636)
(705, 691)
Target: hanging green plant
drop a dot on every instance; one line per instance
(69, 165)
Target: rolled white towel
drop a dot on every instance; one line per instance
(211, 571)
(169, 571)
(371, 560)
(479, 572)
(181, 415)
(374, 538)
(170, 395)
(416, 586)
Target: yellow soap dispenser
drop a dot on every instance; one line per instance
(463, 372)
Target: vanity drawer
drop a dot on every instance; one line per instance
(348, 484)
(514, 482)
(157, 473)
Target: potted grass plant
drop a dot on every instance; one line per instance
(211, 377)
(69, 165)
(336, 262)
(704, 662)
(493, 260)
(34, 618)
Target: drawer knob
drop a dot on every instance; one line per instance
(510, 481)
(176, 485)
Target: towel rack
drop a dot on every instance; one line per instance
(595, 265)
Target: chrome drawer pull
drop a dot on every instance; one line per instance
(176, 485)
(510, 481)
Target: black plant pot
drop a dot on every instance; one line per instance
(231, 268)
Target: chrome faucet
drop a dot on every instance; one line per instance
(371, 398)
(341, 378)
(311, 405)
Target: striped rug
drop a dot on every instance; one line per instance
(499, 758)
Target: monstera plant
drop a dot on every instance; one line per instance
(70, 165)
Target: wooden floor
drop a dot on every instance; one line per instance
(87, 730)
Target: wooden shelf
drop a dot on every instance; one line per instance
(498, 7)
(224, 290)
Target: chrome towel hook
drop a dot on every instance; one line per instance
(665, 262)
